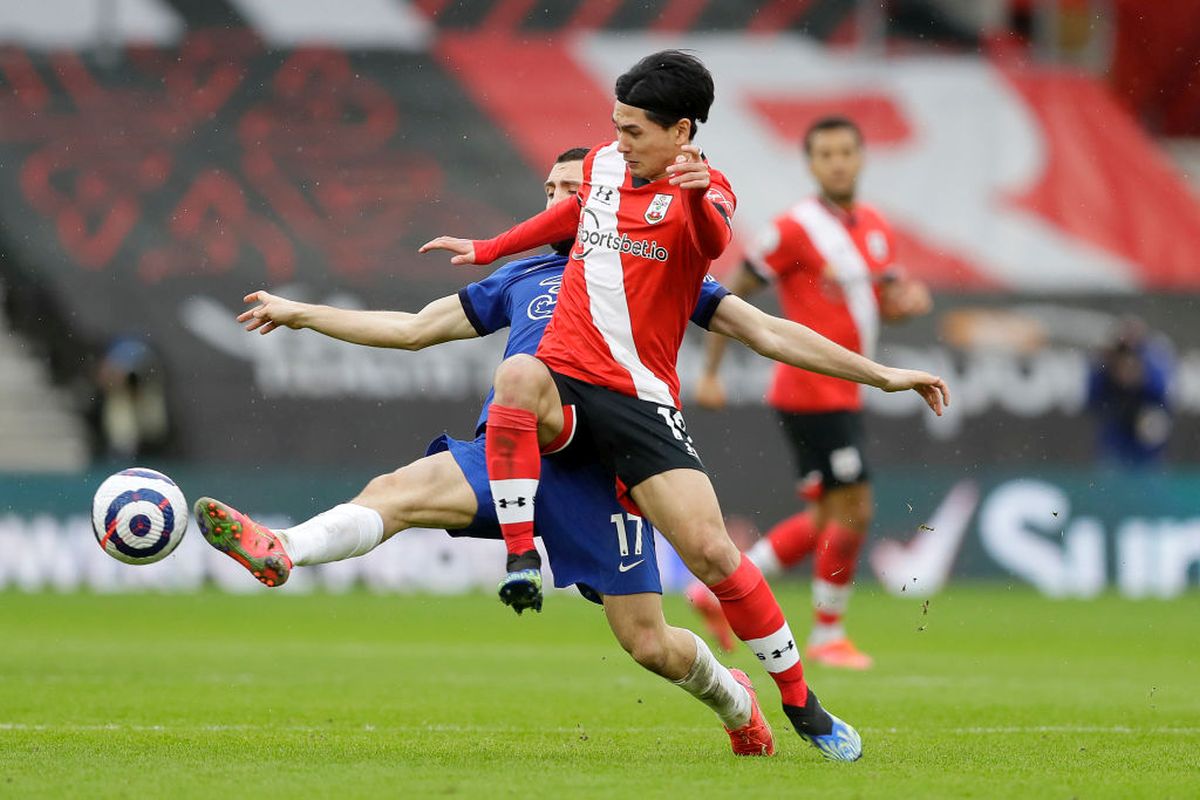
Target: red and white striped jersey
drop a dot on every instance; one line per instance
(633, 278)
(826, 264)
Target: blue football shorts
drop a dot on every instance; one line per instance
(593, 543)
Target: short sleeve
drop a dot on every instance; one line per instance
(782, 247)
(763, 251)
(486, 303)
(711, 295)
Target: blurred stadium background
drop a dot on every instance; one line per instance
(160, 158)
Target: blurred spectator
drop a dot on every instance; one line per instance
(131, 404)
(1128, 392)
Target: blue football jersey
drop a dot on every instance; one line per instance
(522, 295)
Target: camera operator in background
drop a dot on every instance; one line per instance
(1128, 392)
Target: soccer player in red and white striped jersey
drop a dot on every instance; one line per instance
(831, 259)
(651, 217)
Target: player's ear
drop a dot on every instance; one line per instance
(683, 132)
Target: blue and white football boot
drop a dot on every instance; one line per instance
(837, 740)
(841, 744)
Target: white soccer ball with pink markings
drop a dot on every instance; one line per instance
(139, 516)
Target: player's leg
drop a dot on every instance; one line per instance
(682, 504)
(792, 540)
(525, 414)
(844, 513)
(430, 492)
(848, 511)
(684, 659)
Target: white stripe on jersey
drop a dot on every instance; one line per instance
(831, 239)
(604, 277)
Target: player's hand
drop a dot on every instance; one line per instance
(689, 171)
(933, 390)
(463, 249)
(272, 312)
(904, 298)
(710, 393)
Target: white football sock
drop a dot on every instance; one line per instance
(764, 557)
(341, 532)
(823, 633)
(712, 684)
(829, 598)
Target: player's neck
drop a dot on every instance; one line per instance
(845, 203)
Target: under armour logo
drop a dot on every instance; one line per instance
(791, 645)
(504, 502)
(604, 194)
(777, 654)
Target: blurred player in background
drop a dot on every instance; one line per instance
(831, 259)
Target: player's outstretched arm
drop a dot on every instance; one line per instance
(442, 320)
(552, 225)
(792, 343)
(710, 393)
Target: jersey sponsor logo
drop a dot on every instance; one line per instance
(656, 212)
(542, 306)
(590, 238)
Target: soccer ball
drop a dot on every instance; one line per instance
(139, 516)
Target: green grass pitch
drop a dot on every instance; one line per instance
(990, 693)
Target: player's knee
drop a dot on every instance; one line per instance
(387, 495)
(518, 381)
(856, 510)
(648, 647)
(715, 557)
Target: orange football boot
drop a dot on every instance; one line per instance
(840, 653)
(755, 737)
(256, 547)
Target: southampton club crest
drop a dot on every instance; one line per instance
(657, 209)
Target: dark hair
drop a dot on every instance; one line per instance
(830, 123)
(669, 86)
(574, 154)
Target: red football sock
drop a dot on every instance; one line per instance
(758, 621)
(837, 557)
(514, 465)
(793, 539)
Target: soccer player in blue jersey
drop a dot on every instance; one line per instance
(593, 542)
